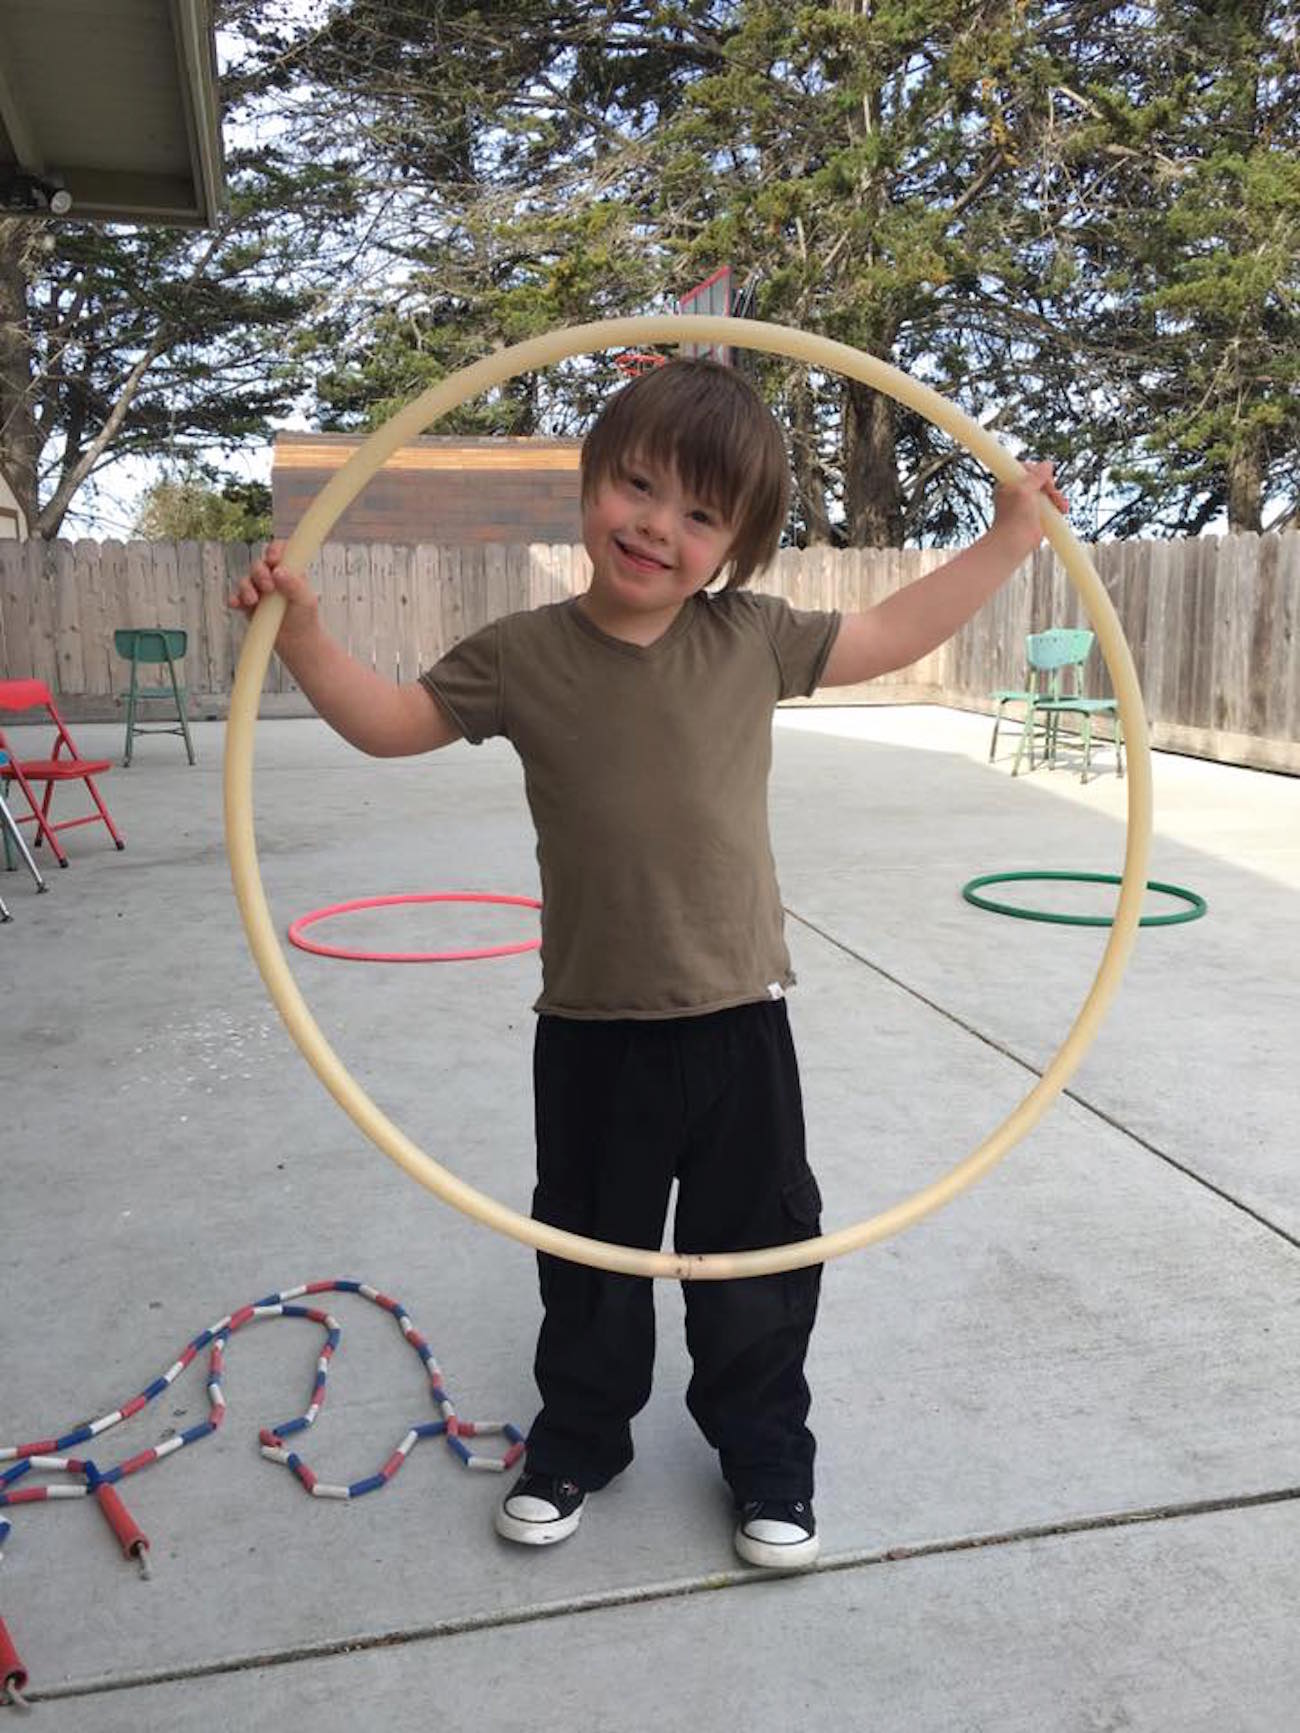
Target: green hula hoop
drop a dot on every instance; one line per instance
(1196, 905)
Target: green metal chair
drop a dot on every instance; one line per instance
(152, 647)
(1051, 658)
(1058, 653)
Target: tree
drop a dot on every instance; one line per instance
(871, 164)
(190, 508)
(1201, 267)
(156, 342)
(494, 148)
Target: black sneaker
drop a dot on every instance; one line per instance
(540, 1509)
(777, 1535)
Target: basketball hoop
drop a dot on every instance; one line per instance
(634, 362)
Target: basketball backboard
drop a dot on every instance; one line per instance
(713, 295)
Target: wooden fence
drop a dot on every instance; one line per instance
(1214, 624)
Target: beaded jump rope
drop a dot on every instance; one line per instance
(47, 1454)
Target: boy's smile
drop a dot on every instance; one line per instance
(638, 560)
(652, 545)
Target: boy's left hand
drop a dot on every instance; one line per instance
(1015, 508)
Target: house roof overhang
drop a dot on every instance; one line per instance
(113, 103)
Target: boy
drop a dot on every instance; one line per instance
(642, 712)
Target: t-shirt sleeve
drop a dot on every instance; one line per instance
(801, 640)
(467, 683)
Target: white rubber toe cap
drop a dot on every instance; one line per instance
(775, 1545)
(534, 1521)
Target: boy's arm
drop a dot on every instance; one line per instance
(376, 715)
(923, 615)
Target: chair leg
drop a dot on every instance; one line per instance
(44, 831)
(997, 723)
(1087, 746)
(179, 692)
(130, 716)
(4, 913)
(13, 838)
(1026, 733)
(103, 811)
(1119, 745)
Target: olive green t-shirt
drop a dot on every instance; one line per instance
(646, 772)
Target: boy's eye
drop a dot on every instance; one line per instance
(639, 482)
(702, 517)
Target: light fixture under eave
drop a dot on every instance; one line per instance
(24, 194)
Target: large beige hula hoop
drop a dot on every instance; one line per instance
(302, 547)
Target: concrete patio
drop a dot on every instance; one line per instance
(1058, 1489)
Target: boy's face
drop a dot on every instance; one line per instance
(652, 544)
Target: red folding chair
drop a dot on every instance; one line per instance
(63, 765)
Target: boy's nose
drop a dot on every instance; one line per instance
(652, 520)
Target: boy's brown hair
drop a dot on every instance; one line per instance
(709, 424)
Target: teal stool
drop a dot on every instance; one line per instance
(152, 647)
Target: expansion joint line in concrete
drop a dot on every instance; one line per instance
(988, 1040)
(645, 1594)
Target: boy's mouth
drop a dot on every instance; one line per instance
(638, 557)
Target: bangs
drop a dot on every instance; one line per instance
(706, 459)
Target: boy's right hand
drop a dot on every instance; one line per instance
(268, 576)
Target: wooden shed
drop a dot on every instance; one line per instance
(447, 490)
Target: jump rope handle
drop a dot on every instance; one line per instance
(132, 1539)
(13, 1675)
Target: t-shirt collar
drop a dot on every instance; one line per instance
(682, 622)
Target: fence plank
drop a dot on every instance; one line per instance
(425, 626)
(140, 607)
(228, 631)
(1195, 680)
(360, 605)
(541, 575)
(518, 572)
(189, 581)
(1286, 705)
(1237, 607)
(42, 618)
(18, 606)
(1156, 657)
(207, 663)
(97, 599)
(450, 607)
(330, 571)
(384, 608)
(71, 672)
(473, 588)
(495, 591)
(15, 636)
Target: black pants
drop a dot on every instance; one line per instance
(622, 1109)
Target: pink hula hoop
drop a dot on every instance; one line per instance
(468, 956)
